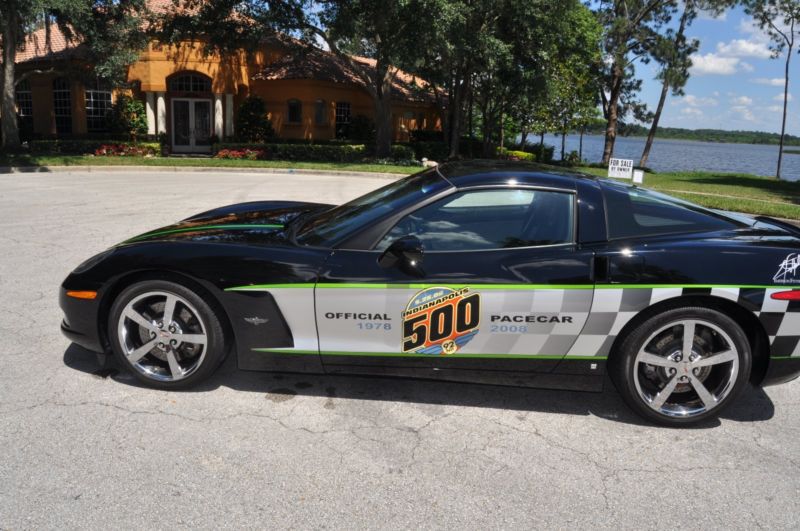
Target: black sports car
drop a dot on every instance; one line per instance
(490, 272)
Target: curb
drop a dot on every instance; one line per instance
(195, 169)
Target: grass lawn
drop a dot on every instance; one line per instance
(740, 192)
(78, 160)
(725, 191)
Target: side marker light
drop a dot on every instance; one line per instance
(88, 295)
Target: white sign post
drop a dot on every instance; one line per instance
(620, 168)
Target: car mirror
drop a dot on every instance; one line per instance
(404, 254)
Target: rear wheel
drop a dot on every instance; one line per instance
(166, 334)
(682, 366)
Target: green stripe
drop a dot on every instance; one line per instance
(417, 355)
(780, 358)
(518, 287)
(688, 286)
(232, 226)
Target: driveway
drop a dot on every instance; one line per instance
(88, 448)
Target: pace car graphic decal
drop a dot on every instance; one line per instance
(440, 320)
(789, 270)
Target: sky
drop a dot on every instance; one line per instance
(734, 83)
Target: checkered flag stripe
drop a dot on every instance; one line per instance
(613, 308)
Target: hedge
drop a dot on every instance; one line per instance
(310, 152)
(85, 146)
(510, 154)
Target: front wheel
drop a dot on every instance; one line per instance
(166, 334)
(682, 366)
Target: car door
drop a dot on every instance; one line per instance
(501, 285)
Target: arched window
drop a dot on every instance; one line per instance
(98, 103)
(62, 105)
(320, 113)
(294, 113)
(189, 83)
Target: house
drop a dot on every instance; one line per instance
(192, 97)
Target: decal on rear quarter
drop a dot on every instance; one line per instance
(787, 271)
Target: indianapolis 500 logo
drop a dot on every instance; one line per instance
(439, 321)
(788, 271)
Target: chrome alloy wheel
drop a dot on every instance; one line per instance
(686, 368)
(162, 336)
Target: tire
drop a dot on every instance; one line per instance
(673, 383)
(180, 354)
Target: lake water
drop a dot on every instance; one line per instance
(687, 155)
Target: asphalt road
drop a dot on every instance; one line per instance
(80, 448)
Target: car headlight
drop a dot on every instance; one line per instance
(93, 261)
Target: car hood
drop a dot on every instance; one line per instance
(258, 222)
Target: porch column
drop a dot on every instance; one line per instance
(218, 115)
(228, 114)
(161, 113)
(150, 112)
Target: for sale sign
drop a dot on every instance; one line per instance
(620, 168)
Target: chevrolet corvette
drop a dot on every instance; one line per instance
(483, 272)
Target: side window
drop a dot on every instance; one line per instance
(635, 212)
(320, 113)
(295, 112)
(62, 105)
(98, 103)
(490, 219)
(24, 100)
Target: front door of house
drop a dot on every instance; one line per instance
(191, 125)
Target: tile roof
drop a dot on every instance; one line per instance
(38, 47)
(305, 62)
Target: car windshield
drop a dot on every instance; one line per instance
(333, 225)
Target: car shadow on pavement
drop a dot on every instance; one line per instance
(753, 405)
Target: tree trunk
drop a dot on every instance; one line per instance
(471, 125)
(383, 128)
(455, 122)
(785, 103)
(651, 135)
(8, 111)
(523, 139)
(580, 144)
(563, 140)
(383, 112)
(540, 156)
(611, 125)
(664, 89)
(502, 130)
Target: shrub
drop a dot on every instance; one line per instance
(328, 152)
(126, 150)
(361, 130)
(74, 146)
(423, 135)
(303, 152)
(127, 117)
(429, 150)
(241, 154)
(546, 154)
(572, 159)
(508, 154)
(402, 152)
(253, 123)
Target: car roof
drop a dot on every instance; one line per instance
(498, 172)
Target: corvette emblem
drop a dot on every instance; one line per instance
(255, 320)
(440, 321)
